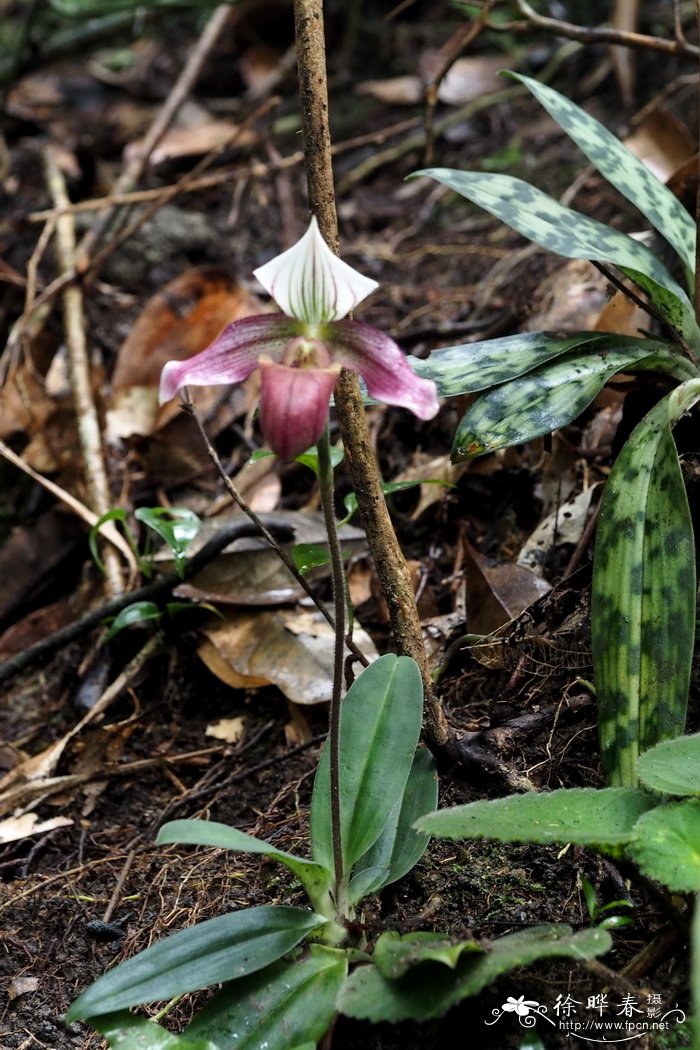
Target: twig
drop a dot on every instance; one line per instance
(604, 35)
(107, 529)
(262, 529)
(150, 592)
(392, 571)
(79, 368)
(181, 89)
(450, 53)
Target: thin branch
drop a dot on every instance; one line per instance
(80, 373)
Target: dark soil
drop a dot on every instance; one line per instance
(150, 760)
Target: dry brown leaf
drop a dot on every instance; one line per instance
(564, 525)
(289, 648)
(570, 298)
(469, 78)
(433, 469)
(497, 593)
(22, 986)
(622, 316)
(395, 91)
(248, 572)
(175, 324)
(662, 142)
(14, 828)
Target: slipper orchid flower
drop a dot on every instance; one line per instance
(300, 352)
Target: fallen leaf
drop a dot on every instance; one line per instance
(22, 986)
(395, 91)
(662, 142)
(14, 828)
(497, 593)
(563, 525)
(289, 648)
(570, 298)
(231, 730)
(439, 474)
(467, 79)
(175, 324)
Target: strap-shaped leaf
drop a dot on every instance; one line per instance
(399, 847)
(566, 232)
(219, 949)
(380, 724)
(431, 990)
(315, 879)
(286, 1004)
(643, 608)
(621, 168)
(471, 367)
(582, 816)
(552, 395)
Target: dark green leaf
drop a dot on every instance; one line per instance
(286, 1004)
(308, 556)
(380, 724)
(395, 953)
(137, 613)
(584, 816)
(176, 525)
(430, 990)
(643, 605)
(566, 232)
(672, 767)
(219, 949)
(620, 167)
(399, 847)
(550, 397)
(123, 1031)
(314, 878)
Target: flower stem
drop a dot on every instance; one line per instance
(325, 478)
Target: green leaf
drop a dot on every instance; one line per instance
(380, 724)
(549, 397)
(217, 950)
(430, 990)
(583, 816)
(177, 526)
(622, 169)
(309, 556)
(666, 845)
(695, 966)
(399, 846)
(123, 1031)
(315, 879)
(672, 767)
(310, 459)
(116, 514)
(395, 953)
(643, 601)
(471, 367)
(286, 1004)
(566, 232)
(136, 613)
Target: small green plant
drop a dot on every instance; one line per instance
(644, 599)
(656, 826)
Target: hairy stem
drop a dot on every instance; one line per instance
(325, 477)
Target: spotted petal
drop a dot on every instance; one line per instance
(312, 284)
(232, 356)
(382, 365)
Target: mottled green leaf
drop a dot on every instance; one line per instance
(643, 605)
(666, 845)
(216, 950)
(314, 877)
(566, 232)
(399, 846)
(621, 168)
(380, 725)
(286, 1004)
(430, 990)
(583, 816)
(551, 396)
(672, 767)
(396, 953)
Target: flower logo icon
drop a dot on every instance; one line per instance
(520, 1006)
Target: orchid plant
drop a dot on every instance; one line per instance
(286, 971)
(300, 354)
